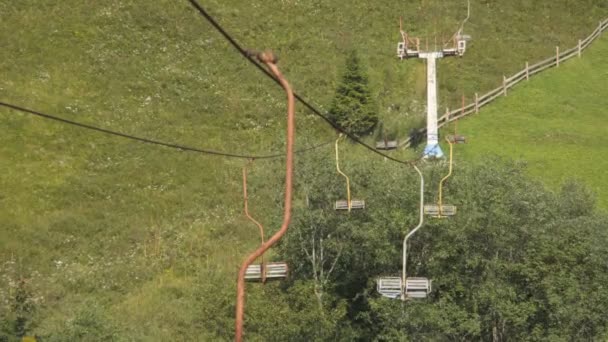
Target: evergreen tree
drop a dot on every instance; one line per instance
(353, 107)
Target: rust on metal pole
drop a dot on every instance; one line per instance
(260, 227)
(270, 60)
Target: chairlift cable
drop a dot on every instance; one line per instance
(247, 54)
(152, 141)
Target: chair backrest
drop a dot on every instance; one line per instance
(276, 270)
(357, 204)
(272, 270)
(254, 272)
(390, 287)
(400, 49)
(457, 139)
(417, 287)
(462, 46)
(354, 204)
(448, 210)
(417, 284)
(431, 209)
(388, 145)
(341, 205)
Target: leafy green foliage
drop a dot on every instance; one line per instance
(513, 265)
(353, 107)
(89, 323)
(516, 263)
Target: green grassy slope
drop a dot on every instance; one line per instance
(556, 122)
(152, 236)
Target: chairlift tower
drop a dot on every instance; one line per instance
(410, 48)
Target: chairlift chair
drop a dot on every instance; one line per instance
(354, 204)
(268, 271)
(433, 210)
(254, 272)
(406, 287)
(461, 43)
(404, 52)
(272, 270)
(401, 50)
(460, 38)
(403, 47)
(441, 210)
(457, 139)
(262, 271)
(386, 145)
(449, 51)
(390, 287)
(349, 203)
(416, 287)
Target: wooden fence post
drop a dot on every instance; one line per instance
(476, 103)
(527, 71)
(579, 48)
(504, 84)
(557, 55)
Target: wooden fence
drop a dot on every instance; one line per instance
(510, 82)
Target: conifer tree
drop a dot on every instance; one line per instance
(353, 107)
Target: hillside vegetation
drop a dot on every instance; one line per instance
(555, 122)
(104, 239)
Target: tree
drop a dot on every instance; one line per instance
(517, 262)
(353, 107)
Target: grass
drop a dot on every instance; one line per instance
(554, 122)
(93, 220)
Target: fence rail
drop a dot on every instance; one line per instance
(510, 82)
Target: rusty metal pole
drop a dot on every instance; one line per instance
(270, 60)
(260, 227)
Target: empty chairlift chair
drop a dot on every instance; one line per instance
(255, 272)
(276, 270)
(268, 271)
(457, 139)
(347, 204)
(440, 210)
(387, 144)
(459, 47)
(406, 287)
(461, 41)
(433, 210)
(390, 287)
(407, 47)
(354, 204)
(416, 287)
(262, 271)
